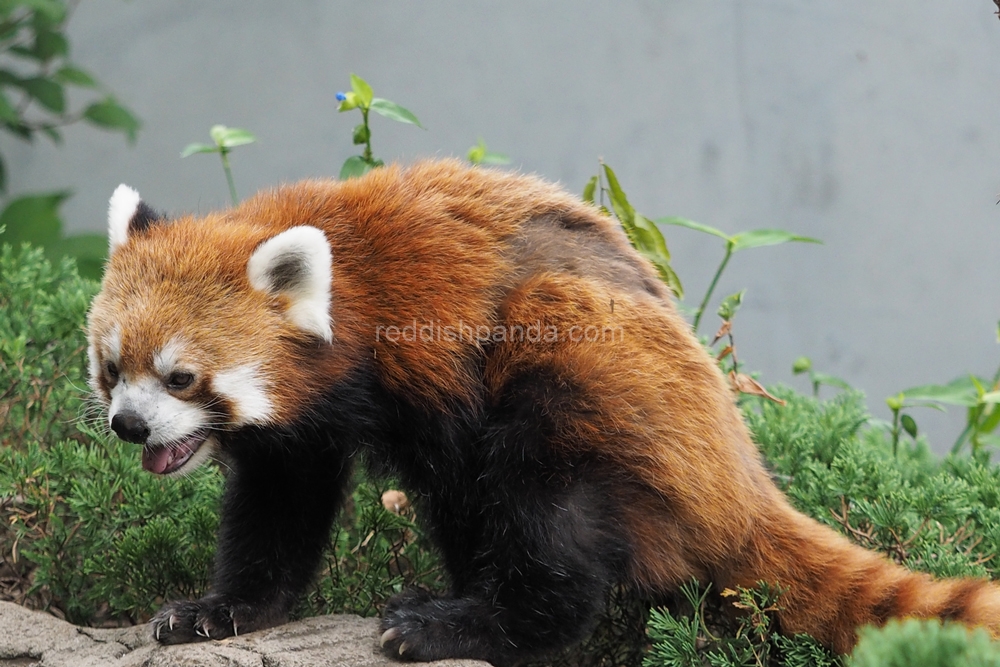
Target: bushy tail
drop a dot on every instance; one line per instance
(833, 587)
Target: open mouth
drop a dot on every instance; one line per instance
(165, 459)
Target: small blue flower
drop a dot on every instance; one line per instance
(341, 96)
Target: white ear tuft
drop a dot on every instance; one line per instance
(297, 264)
(122, 207)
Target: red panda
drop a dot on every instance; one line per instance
(497, 346)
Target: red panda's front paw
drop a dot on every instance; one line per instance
(211, 617)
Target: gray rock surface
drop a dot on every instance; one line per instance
(35, 639)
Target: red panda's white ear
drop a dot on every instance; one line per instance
(127, 215)
(297, 264)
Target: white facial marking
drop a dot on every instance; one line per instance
(123, 205)
(297, 263)
(169, 419)
(247, 389)
(93, 368)
(168, 358)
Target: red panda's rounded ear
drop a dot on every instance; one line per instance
(297, 264)
(127, 215)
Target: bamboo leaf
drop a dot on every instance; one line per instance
(589, 189)
(192, 149)
(691, 224)
(758, 238)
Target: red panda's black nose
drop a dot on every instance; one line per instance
(130, 427)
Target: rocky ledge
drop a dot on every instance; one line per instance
(35, 639)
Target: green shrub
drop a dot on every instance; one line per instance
(42, 347)
(914, 643)
(939, 516)
(87, 526)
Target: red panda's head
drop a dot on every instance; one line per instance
(197, 325)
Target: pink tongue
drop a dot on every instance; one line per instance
(159, 460)
(156, 459)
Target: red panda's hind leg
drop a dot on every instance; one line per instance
(537, 583)
(536, 548)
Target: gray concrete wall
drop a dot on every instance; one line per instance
(871, 125)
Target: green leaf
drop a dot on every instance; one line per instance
(642, 233)
(349, 102)
(393, 111)
(619, 202)
(764, 237)
(801, 365)
(992, 420)
(492, 157)
(74, 76)
(657, 243)
(7, 111)
(51, 11)
(48, 93)
(731, 304)
(476, 153)
(230, 137)
(980, 389)
(49, 44)
(361, 134)
(479, 154)
(909, 425)
(362, 90)
(829, 380)
(589, 189)
(960, 391)
(666, 272)
(109, 114)
(192, 149)
(33, 219)
(3, 177)
(20, 130)
(691, 224)
(989, 440)
(990, 397)
(354, 167)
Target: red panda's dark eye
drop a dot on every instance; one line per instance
(180, 380)
(112, 370)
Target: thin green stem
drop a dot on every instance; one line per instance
(368, 136)
(229, 175)
(711, 288)
(895, 431)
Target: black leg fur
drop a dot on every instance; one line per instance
(528, 538)
(537, 583)
(281, 498)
